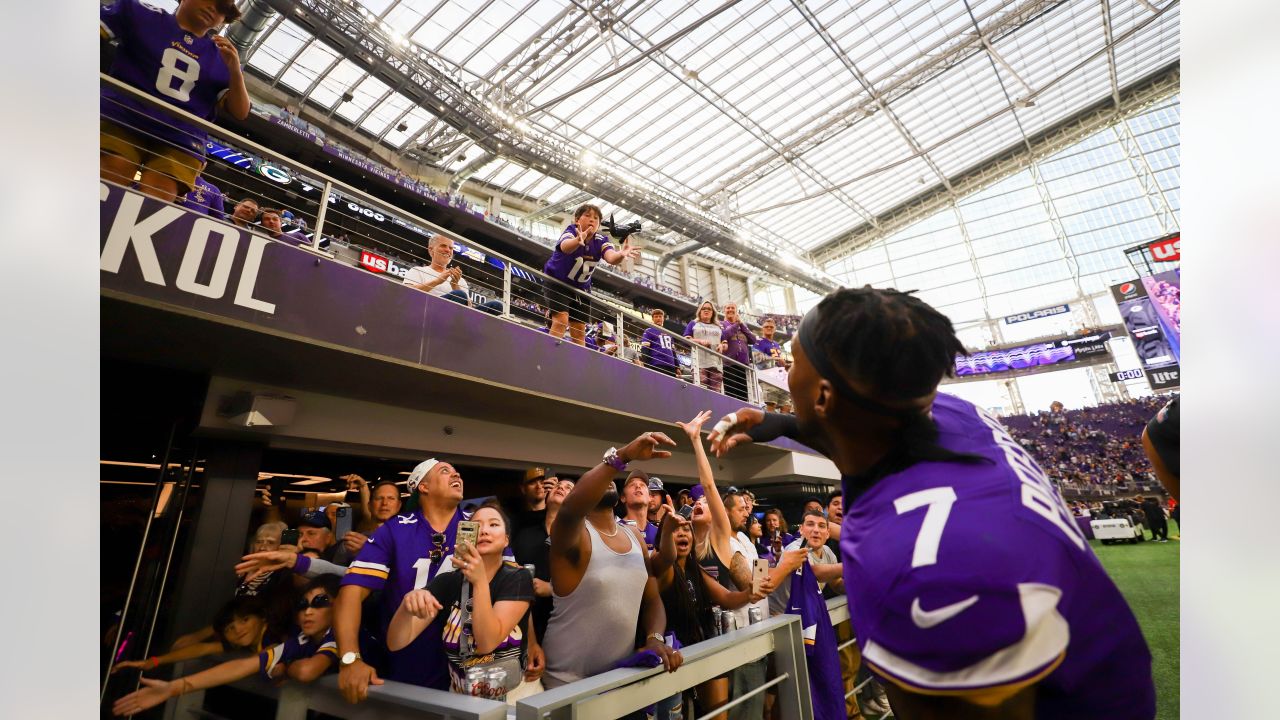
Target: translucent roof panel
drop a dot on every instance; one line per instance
(834, 111)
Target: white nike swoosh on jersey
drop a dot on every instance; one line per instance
(928, 618)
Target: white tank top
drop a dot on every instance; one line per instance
(594, 627)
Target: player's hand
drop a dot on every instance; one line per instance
(421, 604)
(645, 447)
(693, 428)
(155, 692)
(671, 658)
(354, 542)
(227, 51)
(354, 680)
(536, 662)
(732, 428)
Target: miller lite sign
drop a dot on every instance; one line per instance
(1166, 249)
(1165, 378)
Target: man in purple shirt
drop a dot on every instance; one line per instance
(972, 590)
(736, 340)
(657, 348)
(175, 58)
(402, 555)
(271, 222)
(577, 252)
(205, 198)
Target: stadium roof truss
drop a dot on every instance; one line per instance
(749, 130)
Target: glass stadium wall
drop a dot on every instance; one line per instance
(1051, 233)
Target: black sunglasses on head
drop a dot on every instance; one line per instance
(318, 602)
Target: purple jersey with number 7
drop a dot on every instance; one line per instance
(972, 576)
(576, 267)
(158, 57)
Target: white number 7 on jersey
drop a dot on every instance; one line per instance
(939, 500)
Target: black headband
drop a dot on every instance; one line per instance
(826, 370)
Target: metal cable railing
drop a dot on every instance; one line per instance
(344, 223)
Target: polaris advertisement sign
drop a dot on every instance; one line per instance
(1037, 314)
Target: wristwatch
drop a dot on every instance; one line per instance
(350, 658)
(657, 636)
(613, 460)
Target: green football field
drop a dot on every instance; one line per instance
(1147, 574)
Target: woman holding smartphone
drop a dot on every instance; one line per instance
(501, 592)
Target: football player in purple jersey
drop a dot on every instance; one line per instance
(580, 248)
(176, 58)
(971, 589)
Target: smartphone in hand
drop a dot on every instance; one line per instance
(289, 537)
(759, 571)
(468, 531)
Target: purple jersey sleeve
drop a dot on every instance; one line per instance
(373, 563)
(688, 329)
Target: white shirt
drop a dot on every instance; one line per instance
(425, 274)
(781, 596)
(748, 550)
(708, 332)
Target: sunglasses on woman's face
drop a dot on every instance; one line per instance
(318, 602)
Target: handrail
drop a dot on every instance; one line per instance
(392, 699)
(617, 692)
(619, 311)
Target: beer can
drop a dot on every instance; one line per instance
(728, 622)
(477, 683)
(532, 570)
(497, 684)
(754, 615)
(716, 614)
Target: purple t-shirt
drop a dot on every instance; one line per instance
(206, 198)
(293, 237)
(975, 575)
(158, 57)
(769, 349)
(298, 647)
(399, 558)
(660, 347)
(739, 338)
(576, 267)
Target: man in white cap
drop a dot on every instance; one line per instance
(402, 555)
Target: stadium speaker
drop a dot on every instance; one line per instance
(246, 409)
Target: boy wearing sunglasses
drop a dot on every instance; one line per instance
(304, 658)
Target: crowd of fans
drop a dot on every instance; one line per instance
(1093, 451)
(499, 603)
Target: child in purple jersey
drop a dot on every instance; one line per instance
(971, 590)
(577, 252)
(174, 58)
(304, 657)
(657, 348)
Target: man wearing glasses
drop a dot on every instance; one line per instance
(402, 555)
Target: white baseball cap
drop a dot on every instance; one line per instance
(420, 472)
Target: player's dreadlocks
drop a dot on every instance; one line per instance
(889, 339)
(898, 345)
